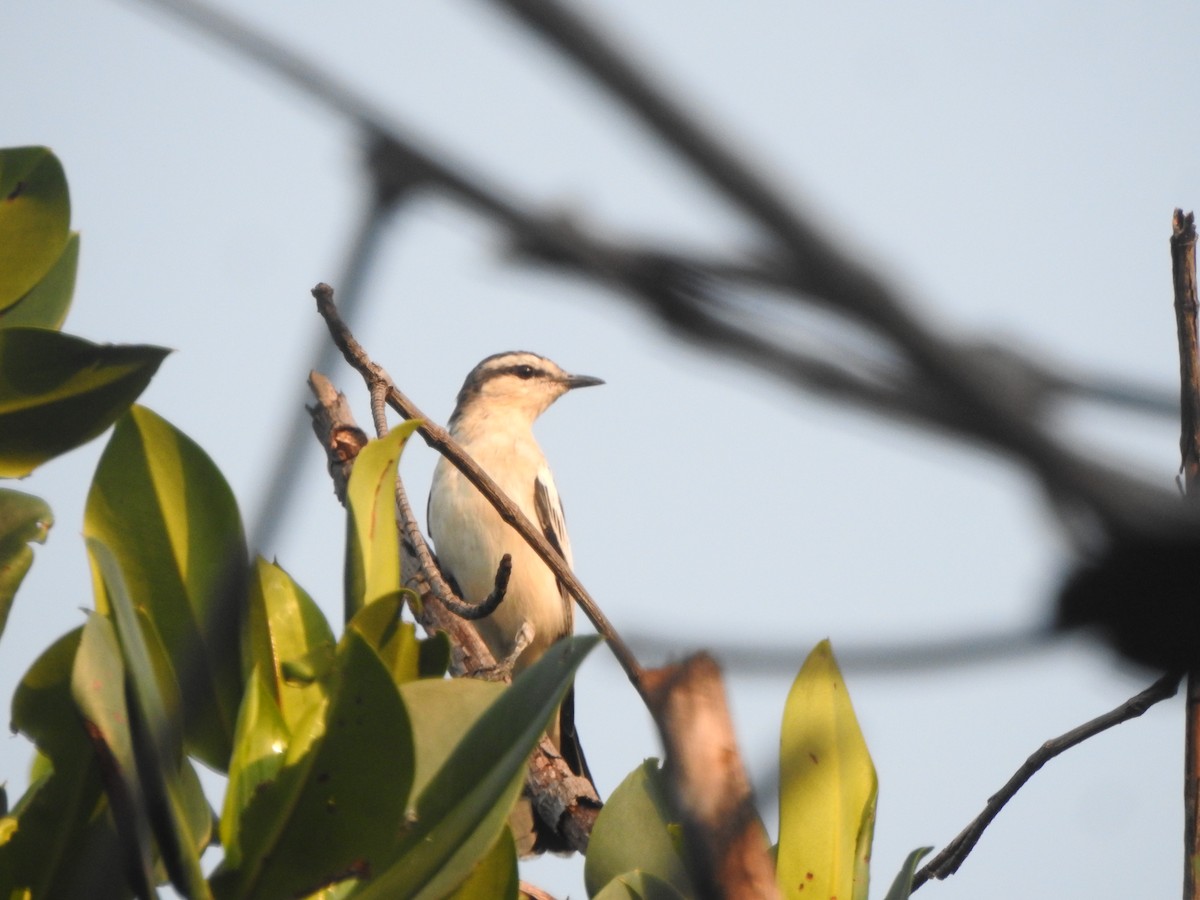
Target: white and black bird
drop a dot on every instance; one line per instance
(493, 421)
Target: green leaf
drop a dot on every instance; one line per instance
(827, 787)
(396, 642)
(638, 885)
(35, 215)
(442, 712)
(902, 887)
(162, 508)
(494, 876)
(98, 686)
(62, 845)
(46, 304)
(633, 833)
(333, 810)
(465, 805)
(372, 538)
(154, 734)
(285, 626)
(23, 519)
(258, 754)
(58, 392)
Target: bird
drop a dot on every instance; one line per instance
(493, 422)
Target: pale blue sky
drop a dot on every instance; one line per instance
(1012, 166)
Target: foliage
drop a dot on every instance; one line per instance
(355, 768)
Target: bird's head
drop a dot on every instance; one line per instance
(515, 383)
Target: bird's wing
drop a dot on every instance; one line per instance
(550, 520)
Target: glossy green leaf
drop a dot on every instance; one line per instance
(442, 712)
(337, 803)
(827, 787)
(632, 832)
(62, 844)
(154, 733)
(58, 392)
(158, 502)
(35, 216)
(465, 805)
(494, 876)
(902, 885)
(98, 686)
(258, 754)
(638, 885)
(284, 627)
(47, 303)
(372, 537)
(396, 642)
(24, 518)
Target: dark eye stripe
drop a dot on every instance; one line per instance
(522, 371)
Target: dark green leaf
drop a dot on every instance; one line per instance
(63, 844)
(158, 502)
(58, 391)
(98, 686)
(372, 538)
(46, 305)
(154, 735)
(23, 518)
(902, 886)
(35, 215)
(442, 712)
(333, 810)
(632, 833)
(465, 805)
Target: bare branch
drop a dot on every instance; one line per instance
(947, 862)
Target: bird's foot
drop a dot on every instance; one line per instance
(503, 669)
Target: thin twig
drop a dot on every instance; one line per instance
(440, 440)
(1183, 277)
(947, 862)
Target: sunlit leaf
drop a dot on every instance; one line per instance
(494, 876)
(47, 303)
(335, 806)
(58, 392)
(407, 657)
(160, 505)
(372, 538)
(633, 833)
(285, 627)
(35, 215)
(827, 787)
(465, 805)
(260, 743)
(23, 519)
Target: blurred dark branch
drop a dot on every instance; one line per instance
(937, 382)
(948, 861)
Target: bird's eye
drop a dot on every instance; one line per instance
(525, 371)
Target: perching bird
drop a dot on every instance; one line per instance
(493, 421)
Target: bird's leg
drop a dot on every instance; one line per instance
(503, 669)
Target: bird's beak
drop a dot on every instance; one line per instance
(578, 381)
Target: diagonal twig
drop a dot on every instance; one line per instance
(947, 862)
